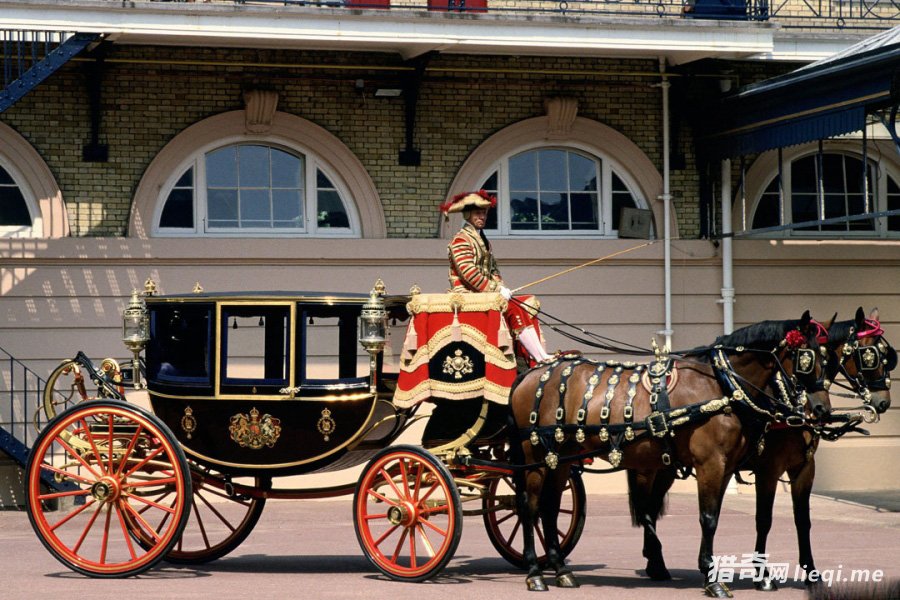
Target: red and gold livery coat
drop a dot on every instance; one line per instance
(472, 264)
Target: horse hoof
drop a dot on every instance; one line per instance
(567, 580)
(766, 585)
(536, 584)
(658, 572)
(718, 590)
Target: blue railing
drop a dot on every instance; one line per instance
(21, 415)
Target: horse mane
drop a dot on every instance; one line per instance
(764, 334)
(840, 331)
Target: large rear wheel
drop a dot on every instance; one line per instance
(93, 474)
(221, 517)
(504, 528)
(407, 513)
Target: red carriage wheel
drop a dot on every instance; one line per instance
(92, 475)
(221, 517)
(407, 513)
(501, 520)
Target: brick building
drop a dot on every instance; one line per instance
(136, 158)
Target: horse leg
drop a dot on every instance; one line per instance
(766, 486)
(711, 484)
(551, 497)
(528, 490)
(801, 487)
(646, 494)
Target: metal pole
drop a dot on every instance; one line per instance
(727, 299)
(667, 201)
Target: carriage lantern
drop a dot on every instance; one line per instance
(136, 330)
(373, 327)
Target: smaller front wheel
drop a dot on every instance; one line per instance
(407, 513)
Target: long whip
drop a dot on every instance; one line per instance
(581, 266)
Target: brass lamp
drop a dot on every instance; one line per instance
(373, 329)
(136, 331)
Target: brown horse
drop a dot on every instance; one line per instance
(576, 408)
(856, 349)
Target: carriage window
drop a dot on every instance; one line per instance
(557, 191)
(844, 183)
(329, 345)
(179, 346)
(255, 344)
(255, 189)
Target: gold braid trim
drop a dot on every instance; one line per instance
(502, 357)
(461, 302)
(452, 391)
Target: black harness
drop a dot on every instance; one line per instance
(788, 406)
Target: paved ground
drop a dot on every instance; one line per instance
(308, 549)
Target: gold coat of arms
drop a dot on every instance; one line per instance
(255, 432)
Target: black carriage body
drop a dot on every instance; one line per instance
(270, 383)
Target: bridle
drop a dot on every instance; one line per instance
(791, 389)
(867, 359)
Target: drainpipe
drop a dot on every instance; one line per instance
(667, 201)
(727, 300)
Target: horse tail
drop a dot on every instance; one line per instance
(648, 506)
(634, 498)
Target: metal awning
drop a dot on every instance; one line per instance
(823, 99)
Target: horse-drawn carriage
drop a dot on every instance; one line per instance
(248, 388)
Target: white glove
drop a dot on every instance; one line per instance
(505, 292)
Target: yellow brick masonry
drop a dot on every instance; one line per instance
(146, 104)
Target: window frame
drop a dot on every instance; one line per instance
(608, 165)
(312, 163)
(35, 230)
(879, 164)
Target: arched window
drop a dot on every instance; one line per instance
(16, 213)
(847, 189)
(556, 177)
(217, 178)
(254, 189)
(556, 190)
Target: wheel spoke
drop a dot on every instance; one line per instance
(385, 535)
(105, 545)
(390, 481)
(130, 449)
(418, 483)
(412, 549)
(404, 478)
(215, 511)
(434, 527)
(125, 533)
(156, 452)
(399, 545)
(425, 541)
(372, 492)
(72, 514)
(97, 454)
(87, 528)
(144, 525)
(77, 457)
(168, 509)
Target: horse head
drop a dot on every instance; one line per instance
(859, 352)
(791, 366)
(806, 360)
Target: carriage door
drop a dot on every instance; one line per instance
(254, 354)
